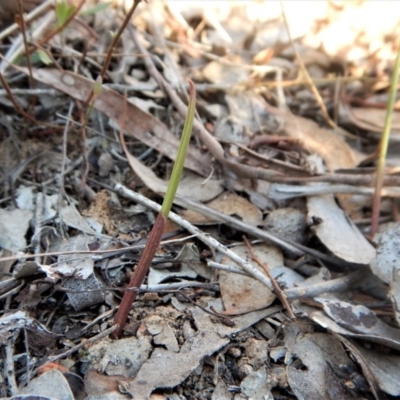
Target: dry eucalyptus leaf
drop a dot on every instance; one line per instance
(71, 217)
(323, 320)
(228, 204)
(387, 252)
(242, 294)
(241, 322)
(385, 367)
(336, 231)
(156, 371)
(21, 320)
(191, 186)
(51, 384)
(167, 338)
(83, 293)
(99, 386)
(370, 119)
(313, 351)
(357, 318)
(143, 126)
(332, 148)
(217, 72)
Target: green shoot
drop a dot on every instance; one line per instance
(154, 238)
(383, 147)
(180, 159)
(63, 12)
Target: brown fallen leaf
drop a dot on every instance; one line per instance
(370, 119)
(139, 124)
(228, 204)
(331, 147)
(327, 144)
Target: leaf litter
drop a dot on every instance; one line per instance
(209, 322)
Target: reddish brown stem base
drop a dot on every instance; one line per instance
(138, 276)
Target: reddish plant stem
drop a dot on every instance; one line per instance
(138, 276)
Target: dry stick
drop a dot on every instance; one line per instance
(297, 248)
(8, 366)
(285, 192)
(334, 285)
(96, 254)
(205, 238)
(350, 179)
(278, 291)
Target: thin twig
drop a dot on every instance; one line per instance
(350, 281)
(297, 248)
(224, 319)
(25, 40)
(113, 45)
(83, 343)
(205, 238)
(278, 291)
(8, 365)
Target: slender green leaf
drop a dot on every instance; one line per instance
(384, 145)
(180, 158)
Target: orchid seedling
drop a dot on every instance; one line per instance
(154, 238)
